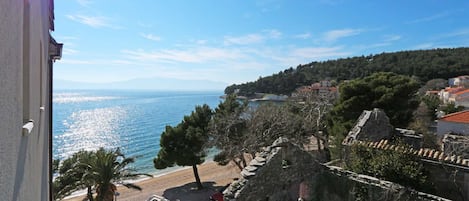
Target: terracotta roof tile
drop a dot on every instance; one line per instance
(453, 90)
(460, 117)
(461, 92)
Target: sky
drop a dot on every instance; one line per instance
(236, 41)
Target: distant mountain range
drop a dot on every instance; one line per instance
(145, 84)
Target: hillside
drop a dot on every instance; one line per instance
(423, 64)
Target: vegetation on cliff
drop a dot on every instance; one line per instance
(423, 64)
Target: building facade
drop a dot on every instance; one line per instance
(457, 123)
(27, 52)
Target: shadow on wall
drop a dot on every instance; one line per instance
(20, 167)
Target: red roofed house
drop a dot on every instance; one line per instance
(323, 88)
(446, 93)
(454, 123)
(460, 98)
(461, 81)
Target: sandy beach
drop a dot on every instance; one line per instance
(180, 184)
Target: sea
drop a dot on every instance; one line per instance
(131, 120)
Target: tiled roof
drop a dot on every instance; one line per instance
(453, 90)
(433, 91)
(463, 76)
(462, 92)
(424, 153)
(460, 117)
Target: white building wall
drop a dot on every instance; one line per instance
(445, 127)
(24, 159)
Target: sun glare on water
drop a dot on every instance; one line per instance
(91, 129)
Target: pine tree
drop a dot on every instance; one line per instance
(184, 144)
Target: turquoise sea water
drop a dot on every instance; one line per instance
(131, 120)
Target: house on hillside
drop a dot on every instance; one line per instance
(460, 98)
(460, 81)
(454, 123)
(323, 88)
(27, 53)
(447, 92)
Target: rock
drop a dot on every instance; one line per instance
(251, 168)
(246, 174)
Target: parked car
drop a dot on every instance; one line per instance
(218, 196)
(157, 198)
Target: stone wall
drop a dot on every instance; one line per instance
(372, 125)
(284, 172)
(275, 174)
(449, 180)
(336, 184)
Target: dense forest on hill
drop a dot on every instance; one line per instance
(423, 64)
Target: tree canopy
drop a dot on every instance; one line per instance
(228, 131)
(184, 144)
(70, 173)
(390, 165)
(237, 130)
(95, 169)
(424, 64)
(395, 94)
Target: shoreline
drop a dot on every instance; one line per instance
(164, 172)
(178, 183)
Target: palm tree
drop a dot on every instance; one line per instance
(94, 169)
(71, 173)
(109, 167)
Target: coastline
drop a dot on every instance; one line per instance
(178, 183)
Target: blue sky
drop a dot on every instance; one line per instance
(235, 41)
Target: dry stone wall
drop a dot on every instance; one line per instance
(284, 172)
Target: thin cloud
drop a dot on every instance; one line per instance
(300, 55)
(73, 61)
(331, 2)
(274, 34)
(461, 32)
(193, 55)
(423, 46)
(303, 36)
(363, 47)
(67, 38)
(318, 52)
(455, 34)
(252, 38)
(84, 2)
(151, 37)
(68, 51)
(266, 6)
(429, 18)
(93, 21)
(390, 38)
(334, 35)
(201, 42)
(243, 40)
(144, 25)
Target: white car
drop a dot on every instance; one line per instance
(156, 198)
